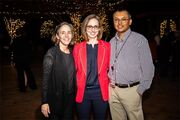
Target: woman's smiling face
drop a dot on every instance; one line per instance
(65, 34)
(92, 28)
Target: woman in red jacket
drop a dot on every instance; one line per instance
(92, 57)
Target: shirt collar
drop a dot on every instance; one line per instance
(125, 35)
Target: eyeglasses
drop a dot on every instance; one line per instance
(90, 27)
(123, 20)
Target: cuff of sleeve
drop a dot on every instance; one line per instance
(140, 89)
(44, 102)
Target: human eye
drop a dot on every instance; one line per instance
(124, 19)
(89, 26)
(96, 27)
(69, 32)
(116, 20)
(62, 32)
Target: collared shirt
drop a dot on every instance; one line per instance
(133, 60)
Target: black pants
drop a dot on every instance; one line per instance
(92, 101)
(64, 112)
(21, 69)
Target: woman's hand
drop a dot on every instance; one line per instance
(45, 110)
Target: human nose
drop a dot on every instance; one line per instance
(93, 28)
(120, 21)
(67, 35)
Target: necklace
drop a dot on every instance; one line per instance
(65, 50)
(117, 53)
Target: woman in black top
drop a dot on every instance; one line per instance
(58, 83)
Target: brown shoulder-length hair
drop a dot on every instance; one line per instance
(57, 28)
(85, 22)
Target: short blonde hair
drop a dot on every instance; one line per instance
(57, 28)
(84, 25)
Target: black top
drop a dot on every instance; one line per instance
(22, 50)
(69, 65)
(92, 70)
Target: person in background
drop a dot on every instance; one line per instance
(153, 47)
(58, 83)
(92, 57)
(22, 59)
(131, 69)
(165, 50)
(175, 56)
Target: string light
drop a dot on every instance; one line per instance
(75, 8)
(46, 29)
(163, 26)
(64, 6)
(104, 20)
(76, 20)
(12, 25)
(172, 25)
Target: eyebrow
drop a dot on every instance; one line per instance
(126, 17)
(93, 25)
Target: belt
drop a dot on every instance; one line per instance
(126, 85)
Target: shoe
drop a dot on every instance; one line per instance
(22, 89)
(34, 87)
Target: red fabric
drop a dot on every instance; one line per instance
(80, 57)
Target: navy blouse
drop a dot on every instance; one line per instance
(92, 70)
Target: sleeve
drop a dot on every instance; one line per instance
(47, 67)
(109, 54)
(146, 65)
(75, 52)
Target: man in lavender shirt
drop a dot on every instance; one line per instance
(131, 71)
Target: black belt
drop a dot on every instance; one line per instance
(126, 85)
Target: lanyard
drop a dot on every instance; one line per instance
(117, 53)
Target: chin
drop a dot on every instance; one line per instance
(67, 44)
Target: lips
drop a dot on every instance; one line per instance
(119, 26)
(92, 33)
(66, 39)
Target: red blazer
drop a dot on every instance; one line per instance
(80, 57)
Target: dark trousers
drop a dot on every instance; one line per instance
(62, 109)
(92, 101)
(21, 69)
(56, 117)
